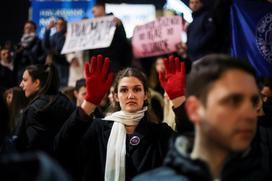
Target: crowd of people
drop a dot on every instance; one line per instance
(198, 114)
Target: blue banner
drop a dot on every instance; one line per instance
(251, 26)
(71, 10)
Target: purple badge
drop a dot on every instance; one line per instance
(135, 140)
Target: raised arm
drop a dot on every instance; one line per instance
(173, 80)
(98, 82)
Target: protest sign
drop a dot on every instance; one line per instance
(157, 37)
(89, 34)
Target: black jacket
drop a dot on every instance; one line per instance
(119, 51)
(6, 79)
(178, 166)
(41, 121)
(90, 165)
(25, 56)
(32, 166)
(201, 35)
(53, 46)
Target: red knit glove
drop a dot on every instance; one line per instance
(97, 81)
(174, 78)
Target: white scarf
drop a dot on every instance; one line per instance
(27, 39)
(116, 148)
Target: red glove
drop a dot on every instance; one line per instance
(97, 81)
(174, 78)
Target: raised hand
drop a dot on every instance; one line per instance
(173, 79)
(97, 80)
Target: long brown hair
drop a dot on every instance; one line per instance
(133, 72)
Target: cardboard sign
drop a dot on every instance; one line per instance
(157, 37)
(89, 34)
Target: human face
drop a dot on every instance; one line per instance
(98, 11)
(5, 55)
(29, 28)
(60, 25)
(110, 96)
(195, 5)
(131, 94)
(80, 95)
(159, 65)
(228, 118)
(28, 85)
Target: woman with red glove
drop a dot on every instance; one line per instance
(127, 142)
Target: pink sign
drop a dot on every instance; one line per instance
(157, 37)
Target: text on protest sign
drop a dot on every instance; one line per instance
(157, 37)
(89, 34)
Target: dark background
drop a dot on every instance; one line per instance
(13, 14)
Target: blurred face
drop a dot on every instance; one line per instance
(266, 92)
(80, 95)
(159, 65)
(60, 25)
(5, 55)
(228, 120)
(131, 94)
(29, 28)
(98, 11)
(195, 5)
(111, 95)
(29, 87)
(9, 98)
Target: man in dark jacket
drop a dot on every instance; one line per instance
(222, 102)
(53, 46)
(201, 32)
(119, 51)
(29, 50)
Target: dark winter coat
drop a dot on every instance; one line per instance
(201, 35)
(41, 121)
(178, 166)
(53, 46)
(25, 56)
(93, 135)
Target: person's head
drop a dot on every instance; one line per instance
(40, 79)
(61, 25)
(16, 102)
(266, 89)
(159, 65)
(130, 90)
(98, 9)
(195, 5)
(80, 91)
(30, 27)
(5, 55)
(222, 101)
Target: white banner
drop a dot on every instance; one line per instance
(89, 34)
(132, 15)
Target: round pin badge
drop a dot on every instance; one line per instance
(135, 140)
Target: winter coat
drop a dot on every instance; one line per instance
(178, 166)
(81, 146)
(41, 121)
(201, 37)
